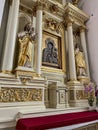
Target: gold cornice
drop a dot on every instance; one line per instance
(75, 14)
(50, 7)
(69, 5)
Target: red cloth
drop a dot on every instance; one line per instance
(53, 121)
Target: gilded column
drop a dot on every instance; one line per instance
(39, 39)
(8, 56)
(83, 43)
(72, 68)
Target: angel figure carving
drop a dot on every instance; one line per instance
(26, 40)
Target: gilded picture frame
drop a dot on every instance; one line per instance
(51, 50)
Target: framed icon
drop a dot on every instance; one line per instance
(51, 50)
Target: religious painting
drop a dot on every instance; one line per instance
(51, 50)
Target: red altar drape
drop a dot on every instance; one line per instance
(53, 121)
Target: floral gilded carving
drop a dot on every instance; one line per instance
(20, 94)
(53, 25)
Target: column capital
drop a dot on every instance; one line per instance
(41, 4)
(69, 22)
(82, 29)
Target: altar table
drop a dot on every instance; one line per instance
(53, 121)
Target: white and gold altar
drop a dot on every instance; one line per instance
(44, 59)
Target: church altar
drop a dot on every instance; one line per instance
(54, 121)
(48, 65)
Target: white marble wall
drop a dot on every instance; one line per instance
(91, 7)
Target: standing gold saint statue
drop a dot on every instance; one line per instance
(26, 39)
(80, 61)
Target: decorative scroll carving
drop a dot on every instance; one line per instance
(24, 80)
(54, 8)
(53, 25)
(20, 94)
(81, 94)
(48, 6)
(75, 2)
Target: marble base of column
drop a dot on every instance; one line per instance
(77, 96)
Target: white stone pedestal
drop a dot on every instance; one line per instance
(84, 79)
(57, 96)
(77, 97)
(24, 71)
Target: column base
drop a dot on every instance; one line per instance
(77, 97)
(2, 74)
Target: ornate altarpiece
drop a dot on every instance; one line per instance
(52, 80)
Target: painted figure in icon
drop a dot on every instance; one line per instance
(50, 53)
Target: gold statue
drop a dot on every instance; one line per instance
(80, 61)
(26, 39)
